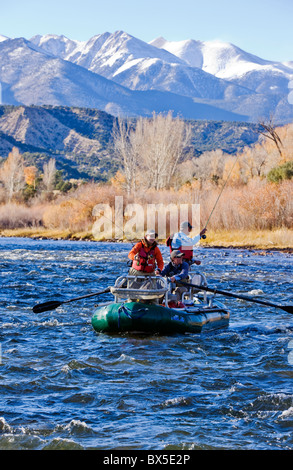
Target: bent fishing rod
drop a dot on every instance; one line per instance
(218, 198)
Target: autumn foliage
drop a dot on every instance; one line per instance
(246, 196)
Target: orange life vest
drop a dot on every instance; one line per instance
(147, 260)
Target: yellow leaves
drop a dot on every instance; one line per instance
(75, 212)
(30, 174)
(118, 180)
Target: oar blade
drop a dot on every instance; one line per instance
(45, 307)
(287, 308)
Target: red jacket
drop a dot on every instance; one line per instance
(149, 256)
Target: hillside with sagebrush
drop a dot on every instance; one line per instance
(81, 139)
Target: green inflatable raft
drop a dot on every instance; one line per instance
(150, 307)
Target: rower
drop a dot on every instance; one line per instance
(176, 270)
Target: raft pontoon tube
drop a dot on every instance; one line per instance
(145, 304)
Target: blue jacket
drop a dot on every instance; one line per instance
(180, 271)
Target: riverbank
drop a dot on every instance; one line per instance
(280, 239)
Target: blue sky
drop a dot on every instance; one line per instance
(261, 27)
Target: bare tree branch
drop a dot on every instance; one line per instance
(270, 133)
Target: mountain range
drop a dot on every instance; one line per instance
(123, 75)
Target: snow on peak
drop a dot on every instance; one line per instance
(222, 59)
(158, 42)
(59, 46)
(188, 50)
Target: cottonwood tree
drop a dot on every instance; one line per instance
(12, 174)
(30, 174)
(163, 142)
(49, 171)
(151, 151)
(208, 166)
(126, 152)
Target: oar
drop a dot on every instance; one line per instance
(287, 308)
(51, 305)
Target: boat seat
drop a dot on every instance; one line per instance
(139, 288)
(198, 279)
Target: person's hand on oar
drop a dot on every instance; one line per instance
(51, 305)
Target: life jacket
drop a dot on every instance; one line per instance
(147, 260)
(188, 254)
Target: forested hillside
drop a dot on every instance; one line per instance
(81, 140)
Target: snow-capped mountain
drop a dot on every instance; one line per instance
(139, 66)
(224, 60)
(104, 52)
(124, 75)
(30, 75)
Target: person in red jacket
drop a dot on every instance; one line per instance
(146, 256)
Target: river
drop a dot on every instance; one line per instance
(64, 386)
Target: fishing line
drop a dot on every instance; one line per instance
(230, 172)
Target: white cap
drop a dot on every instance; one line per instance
(151, 234)
(185, 225)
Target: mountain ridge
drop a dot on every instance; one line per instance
(194, 79)
(30, 75)
(81, 140)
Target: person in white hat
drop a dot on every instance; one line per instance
(183, 242)
(146, 255)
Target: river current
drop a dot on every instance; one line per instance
(64, 386)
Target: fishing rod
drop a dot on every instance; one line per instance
(220, 194)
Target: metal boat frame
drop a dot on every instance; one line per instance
(157, 289)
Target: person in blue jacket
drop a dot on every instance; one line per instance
(176, 270)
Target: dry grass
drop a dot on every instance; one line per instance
(280, 239)
(43, 233)
(13, 216)
(256, 215)
(259, 239)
